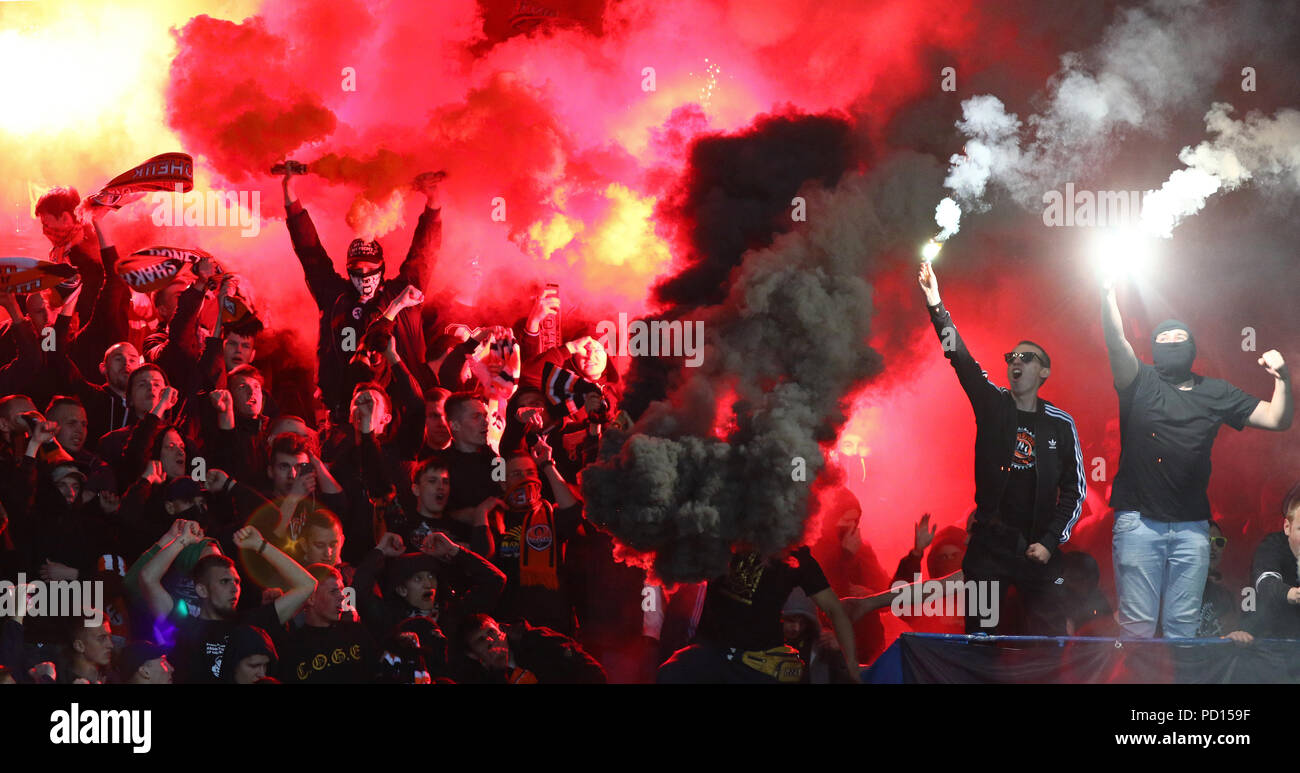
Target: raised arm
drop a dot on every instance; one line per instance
(325, 285)
(972, 377)
(1276, 414)
(564, 497)
(405, 393)
(170, 545)
(301, 583)
(1123, 362)
(484, 581)
(18, 372)
(427, 241)
(107, 321)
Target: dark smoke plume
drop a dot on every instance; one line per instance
(736, 196)
(790, 341)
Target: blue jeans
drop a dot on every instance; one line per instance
(1157, 561)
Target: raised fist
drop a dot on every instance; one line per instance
(439, 546)
(221, 400)
(248, 538)
(390, 545)
(217, 479)
(1273, 363)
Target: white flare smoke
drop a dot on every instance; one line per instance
(1259, 148)
(1150, 61)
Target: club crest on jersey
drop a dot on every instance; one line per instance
(539, 536)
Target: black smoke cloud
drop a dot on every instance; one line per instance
(735, 196)
(790, 341)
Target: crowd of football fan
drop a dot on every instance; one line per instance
(407, 513)
(359, 525)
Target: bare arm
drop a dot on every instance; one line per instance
(170, 545)
(859, 606)
(301, 583)
(1123, 362)
(1276, 414)
(564, 497)
(828, 602)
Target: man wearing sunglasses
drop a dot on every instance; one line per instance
(1168, 420)
(1029, 484)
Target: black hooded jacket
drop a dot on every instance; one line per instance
(340, 306)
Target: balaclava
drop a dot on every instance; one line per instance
(1173, 361)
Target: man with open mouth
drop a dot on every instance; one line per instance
(1029, 484)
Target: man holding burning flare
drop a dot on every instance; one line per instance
(1029, 485)
(1169, 417)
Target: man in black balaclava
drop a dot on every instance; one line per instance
(1173, 350)
(1169, 417)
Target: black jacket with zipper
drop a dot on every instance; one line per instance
(1059, 458)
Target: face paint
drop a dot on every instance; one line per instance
(366, 284)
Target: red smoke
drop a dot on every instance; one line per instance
(558, 126)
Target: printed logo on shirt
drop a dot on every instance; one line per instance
(320, 661)
(741, 582)
(356, 312)
(508, 547)
(1051, 444)
(1024, 457)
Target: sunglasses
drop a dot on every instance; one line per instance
(1021, 357)
(1219, 542)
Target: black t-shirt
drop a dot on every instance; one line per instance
(342, 653)
(470, 476)
(1017, 508)
(200, 644)
(418, 527)
(742, 608)
(1166, 437)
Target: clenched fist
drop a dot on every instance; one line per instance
(1274, 364)
(221, 400)
(390, 545)
(439, 546)
(248, 538)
